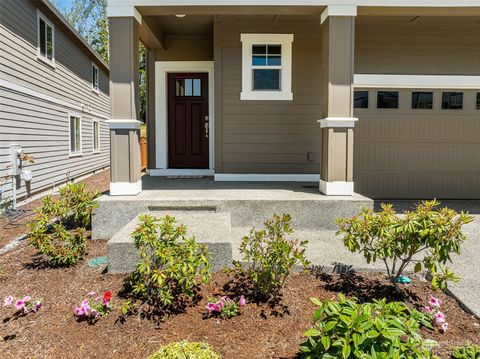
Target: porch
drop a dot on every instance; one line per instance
(219, 214)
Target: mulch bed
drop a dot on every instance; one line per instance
(259, 332)
(14, 227)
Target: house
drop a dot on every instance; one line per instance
(377, 97)
(306, 107)
(54, 98)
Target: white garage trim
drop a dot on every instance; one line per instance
(417, 81)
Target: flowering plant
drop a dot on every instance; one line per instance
(226, 307)
(27, 304)
(92, 308)
(438, 317)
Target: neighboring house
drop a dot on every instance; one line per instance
(54, 97)
(274, 90)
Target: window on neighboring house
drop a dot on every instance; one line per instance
(387, 99)
(452, 100)
(94, 78)
(360, 99)
(45, 38)
(96, 136)
(75, 135)
(422, 100)
(478, 100)
(266, 67)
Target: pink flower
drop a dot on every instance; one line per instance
(8, 301)
(444, 327)
(242, 301)
(439, 318)
(78, 311)
(95, 313)
(19, 304)
(428, 309)
(90, 294)
(27, 298)
(434, 302)
(211, 307)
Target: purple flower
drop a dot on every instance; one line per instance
(439, 318)
(8, 301)
(242, 301)
(213, 307)
(37, 306)
(78, 311)
(428, 309)
(19, 304)
(434, 302)
(95, 313)
(27, 298)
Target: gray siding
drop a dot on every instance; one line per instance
(41, 126)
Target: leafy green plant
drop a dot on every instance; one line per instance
(186, 350)
(58, 231)
(426, 236)
(466, 352)
(269, 256)
(171, 265)
(378, 330)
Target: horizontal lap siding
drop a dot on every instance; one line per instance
(271, 136)
(41, 127)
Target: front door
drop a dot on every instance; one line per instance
(188, 120)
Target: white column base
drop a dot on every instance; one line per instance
(336, 188)
(125, 188)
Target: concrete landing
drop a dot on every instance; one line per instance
(209, 228)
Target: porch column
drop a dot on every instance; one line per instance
(337, 123)
(124, 105)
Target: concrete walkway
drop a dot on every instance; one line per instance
(467, 265)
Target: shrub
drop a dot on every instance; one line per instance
(269, 256)
(58, 231)
(225, 306)
(466, 352)
(92, 308)
(171, 265)
(346, 329)
(401, 240)
(185, 350)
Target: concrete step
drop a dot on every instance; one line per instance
(208, 227)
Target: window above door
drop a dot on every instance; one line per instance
(266, 67)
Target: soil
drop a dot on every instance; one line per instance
(259, 332)
(15, 226)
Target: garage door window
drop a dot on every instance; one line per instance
(452, 100)
(422, 100)
(387, 99)
(360, 99)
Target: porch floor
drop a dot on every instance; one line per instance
(206, 188)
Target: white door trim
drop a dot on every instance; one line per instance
(162, 69)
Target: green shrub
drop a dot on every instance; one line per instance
(346, 329)
(185, 350)
(426, 236)
(269, 256)
(58, 231)
(171, 265)
(466, 352)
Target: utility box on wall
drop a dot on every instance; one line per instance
(16, 153)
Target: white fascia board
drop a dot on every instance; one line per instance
(394, 3)
(343, 122)
(124, 11)
(338, 10)
(123, 124)
(416, 81)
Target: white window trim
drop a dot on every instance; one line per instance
(77, 153)
(285, 40)
(94, 122)
(96, 89)
(40, 57)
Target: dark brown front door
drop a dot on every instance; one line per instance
(188, 120)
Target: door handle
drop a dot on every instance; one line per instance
(206, 126)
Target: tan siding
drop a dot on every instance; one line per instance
(409, 153)
(186, 48)
(41, 127)
(439, 46)
(271, 136)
